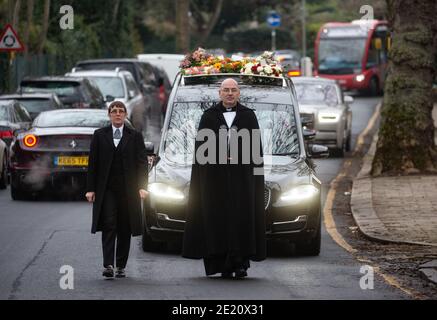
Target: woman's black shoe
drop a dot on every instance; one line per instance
(240, 273)
(227, 275)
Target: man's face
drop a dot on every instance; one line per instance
(117, 116)
(229, 93)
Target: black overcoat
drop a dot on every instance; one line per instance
(135, 173)
(225, 212)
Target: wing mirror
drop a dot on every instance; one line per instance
(319, 151)
(109, 98)
(348, 99)
(309, 134)
(131, 94)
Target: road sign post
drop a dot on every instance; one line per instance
(274, 21)
(9, 42)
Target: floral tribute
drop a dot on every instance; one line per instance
(200, 62)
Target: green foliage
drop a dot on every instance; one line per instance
(248, 39)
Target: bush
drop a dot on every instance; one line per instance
(255, 39)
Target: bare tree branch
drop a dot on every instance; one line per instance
(45, 27)
(212, 22)
(16, 16)
(30, 5)
(115, 12)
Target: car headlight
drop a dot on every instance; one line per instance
(360, 77)
(163, 191)
(328, 117)
(299, 194)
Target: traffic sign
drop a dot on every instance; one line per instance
(9, 40)
(274, 19)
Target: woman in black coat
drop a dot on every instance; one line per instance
(116, 183)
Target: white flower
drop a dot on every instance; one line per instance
(259, 69)
(268, 69)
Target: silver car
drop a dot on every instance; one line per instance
(119, 85)
(323, 108)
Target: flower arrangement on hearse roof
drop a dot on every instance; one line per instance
(200, 62)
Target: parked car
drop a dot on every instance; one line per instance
(119, 85)
(54, 152)
(169, 62)
(292, 190)
(73, 92)
(290, 60)
(13, 117)
(35, 103)
(141, 71)
(4, 163)
(324, 109)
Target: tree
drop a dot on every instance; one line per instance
(45, 26)
(30, 4)
(16, 14)
(406, 136)
(207, 21)
(182, 26)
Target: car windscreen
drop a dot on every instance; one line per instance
(107, 66)
(276, 121)
(37, 105)
(4, 114)
(315, 93)
(61, 88)
(72, 119)
(112, 86)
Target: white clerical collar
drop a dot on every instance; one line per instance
(115, 128)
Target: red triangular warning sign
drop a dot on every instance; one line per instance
(9, 40)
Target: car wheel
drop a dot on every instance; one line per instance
(311, 247)
(149, 245)
(374, 87)
(4, 174)
(17, 194)
(349, 142)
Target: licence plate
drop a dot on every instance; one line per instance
(71, 161)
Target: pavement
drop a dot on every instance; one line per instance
(398, 209)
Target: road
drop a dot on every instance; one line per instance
(38, 238)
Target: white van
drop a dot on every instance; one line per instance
(169, 62)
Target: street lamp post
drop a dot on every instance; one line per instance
(304, 36)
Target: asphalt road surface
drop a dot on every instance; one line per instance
(39, 238)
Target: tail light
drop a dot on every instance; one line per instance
(30, 140)
(6, 133)
(162, 94)
(293, 73)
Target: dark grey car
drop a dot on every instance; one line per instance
(35, 103)
(13, 117)
(292, 190)
(74, 93)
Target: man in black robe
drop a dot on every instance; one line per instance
(225, 223)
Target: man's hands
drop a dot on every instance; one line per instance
(143, 194)
(90, 196)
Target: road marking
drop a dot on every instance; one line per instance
(330, 225)
(370, 124)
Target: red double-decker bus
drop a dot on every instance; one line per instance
(354, 54)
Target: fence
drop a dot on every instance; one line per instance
(12, 72)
